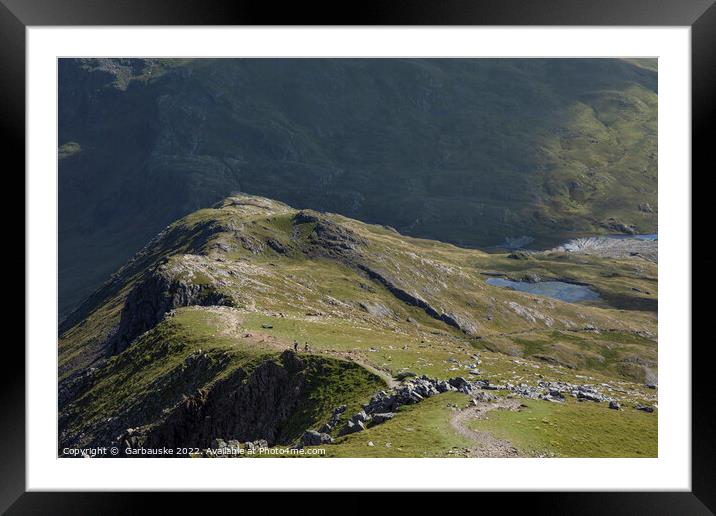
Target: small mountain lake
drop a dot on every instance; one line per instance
(568, 292)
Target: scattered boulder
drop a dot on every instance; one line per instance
(353, 427)
(645, 207)
(255, 445)
(380, 402)
(218, 443)
(313, 438)
(360, 416)
(518, 255)
(587, 393)
(382, 417)
(614, 405)
(444, 386)
(531, 277)
(553, 395)
(458, 382)
(645, 408)
(333, 421)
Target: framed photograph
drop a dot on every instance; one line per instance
(428, 248)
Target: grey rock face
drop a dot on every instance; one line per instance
(455, 320)
(157, 293)
(276, 245)
(230, 407)
(376, 309)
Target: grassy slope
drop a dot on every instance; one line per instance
(574, 429)
(318, 300)
(445, 275)
(467, 151)
(191, 350)
(418, 431)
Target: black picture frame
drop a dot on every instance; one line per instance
(700, 15)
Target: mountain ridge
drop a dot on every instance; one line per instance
(208, 310)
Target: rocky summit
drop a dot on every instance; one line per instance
(253, 325)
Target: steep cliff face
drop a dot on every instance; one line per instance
(181, 384)
(245, 407)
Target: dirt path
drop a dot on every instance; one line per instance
(392, 383)
(486, 445)
(360, 360)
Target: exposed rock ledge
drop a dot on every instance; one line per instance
(168, 286)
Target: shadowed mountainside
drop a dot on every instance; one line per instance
(468, 151)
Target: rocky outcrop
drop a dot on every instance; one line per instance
(376, 309)
(329, 239)
(336, 241)
(645, 207)
(333, 422)
(246, 406)
(615, 225)
(161, 290)
(457, 321)
(77, 382)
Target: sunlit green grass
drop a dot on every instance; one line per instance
(421, 430)
(574, 429)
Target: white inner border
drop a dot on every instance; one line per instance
(671, 470)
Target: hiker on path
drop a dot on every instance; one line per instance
(306, 348)
(295, 345)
